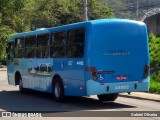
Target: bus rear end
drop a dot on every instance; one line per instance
(118, 57)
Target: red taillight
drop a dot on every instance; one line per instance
(93, 71)
(146, 71)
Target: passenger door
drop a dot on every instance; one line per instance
(10, 62)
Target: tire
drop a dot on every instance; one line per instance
(108, 97)
(21, 88)
(58, 90)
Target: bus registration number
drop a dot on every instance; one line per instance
(123, 87)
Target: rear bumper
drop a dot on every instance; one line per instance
(96, 88)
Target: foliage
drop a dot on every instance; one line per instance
(26, 15)
(5, 33)
(154, 45)
(10, 13)
(155, 83)
(61, 12)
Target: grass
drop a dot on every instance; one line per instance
(155, 83)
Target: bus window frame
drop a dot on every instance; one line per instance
(76, 43)
(62, 45)
(32, 47)
(43, 46)
(18, 48)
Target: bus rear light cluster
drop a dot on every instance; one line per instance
(93, 71)
(146, 71)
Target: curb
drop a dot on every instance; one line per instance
(142, 96)
(3, 69)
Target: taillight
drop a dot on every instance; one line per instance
(94, 76)
(93, 71)
(146, 71)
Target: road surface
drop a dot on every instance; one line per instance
(12, 100)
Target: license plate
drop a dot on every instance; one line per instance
(122, 87)
(121, 77)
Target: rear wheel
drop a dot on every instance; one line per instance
(108, 97)
(58, 90)
(21, 88)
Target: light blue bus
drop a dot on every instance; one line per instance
(98, 57)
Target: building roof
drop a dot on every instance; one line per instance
(151, 13)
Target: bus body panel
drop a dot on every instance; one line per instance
(118, 87)
(35, 74)
(119, 53)
(72, 74)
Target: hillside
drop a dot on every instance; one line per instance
(128, 8)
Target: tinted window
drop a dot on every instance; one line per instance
(43, 40)
(30, 41)
(75, 43)
(30, 46)
(19, 42)
(57, 49)
(75, 51)
(58, 38)
(76, 36)
(30, 52)
(43, 46)
(19, 47)
(42, 52)
(19, 52)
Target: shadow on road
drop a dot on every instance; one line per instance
(39, 101)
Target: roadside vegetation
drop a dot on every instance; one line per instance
(154, 43)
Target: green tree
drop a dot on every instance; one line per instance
(10, 13)
(61, 12)
(26, 15)
(5, 33)
(154, 44)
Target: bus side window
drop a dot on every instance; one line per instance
(43, 46)
(75, 43)
(57, 49)
(30, 46)
(19, 47)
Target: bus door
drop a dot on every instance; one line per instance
(10, 62)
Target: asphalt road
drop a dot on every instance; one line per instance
(12, 100)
